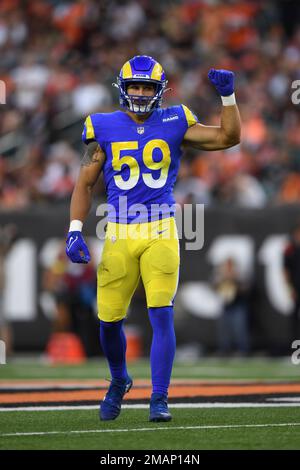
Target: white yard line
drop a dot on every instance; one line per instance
(165, 428)
(146, 406)
(285, 399)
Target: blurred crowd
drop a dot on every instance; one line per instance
(59, 59)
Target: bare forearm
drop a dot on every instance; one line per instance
(80, 202)
(230, 125)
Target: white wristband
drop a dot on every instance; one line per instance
(75, 226)
(228, 100)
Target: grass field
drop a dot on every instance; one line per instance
(216, 404)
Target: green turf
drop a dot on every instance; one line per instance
(206, 368)
(286, 437)
(170, 438)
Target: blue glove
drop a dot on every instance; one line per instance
(75, 246)
(223, 80)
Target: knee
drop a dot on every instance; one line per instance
(158, 295)
(110, 315)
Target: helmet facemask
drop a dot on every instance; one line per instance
(141, 69)
(140, 104)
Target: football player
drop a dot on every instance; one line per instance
(138, 149)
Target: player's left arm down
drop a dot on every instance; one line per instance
(216, 137)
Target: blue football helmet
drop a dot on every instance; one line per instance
(141, 69)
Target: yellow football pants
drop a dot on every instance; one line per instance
(149, 250)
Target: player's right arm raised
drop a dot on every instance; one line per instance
(81, 200)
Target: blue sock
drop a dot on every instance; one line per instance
(113, 342)
(162, 348)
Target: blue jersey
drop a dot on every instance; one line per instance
(142, 160)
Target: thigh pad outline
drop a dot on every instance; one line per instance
(111, 268)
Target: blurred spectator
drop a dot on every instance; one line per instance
(74, 19)
(233, 328)
(189, 188)
(30, 79)
(59, 173)
(244, 191)
(290, 190)
(58, 60)
(8, 235)
(90, 96)
(291, 262)
(126, 18)
(74, 290)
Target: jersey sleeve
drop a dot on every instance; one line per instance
(191, 118)
(88, 133)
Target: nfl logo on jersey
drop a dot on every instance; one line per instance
(140, 130)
